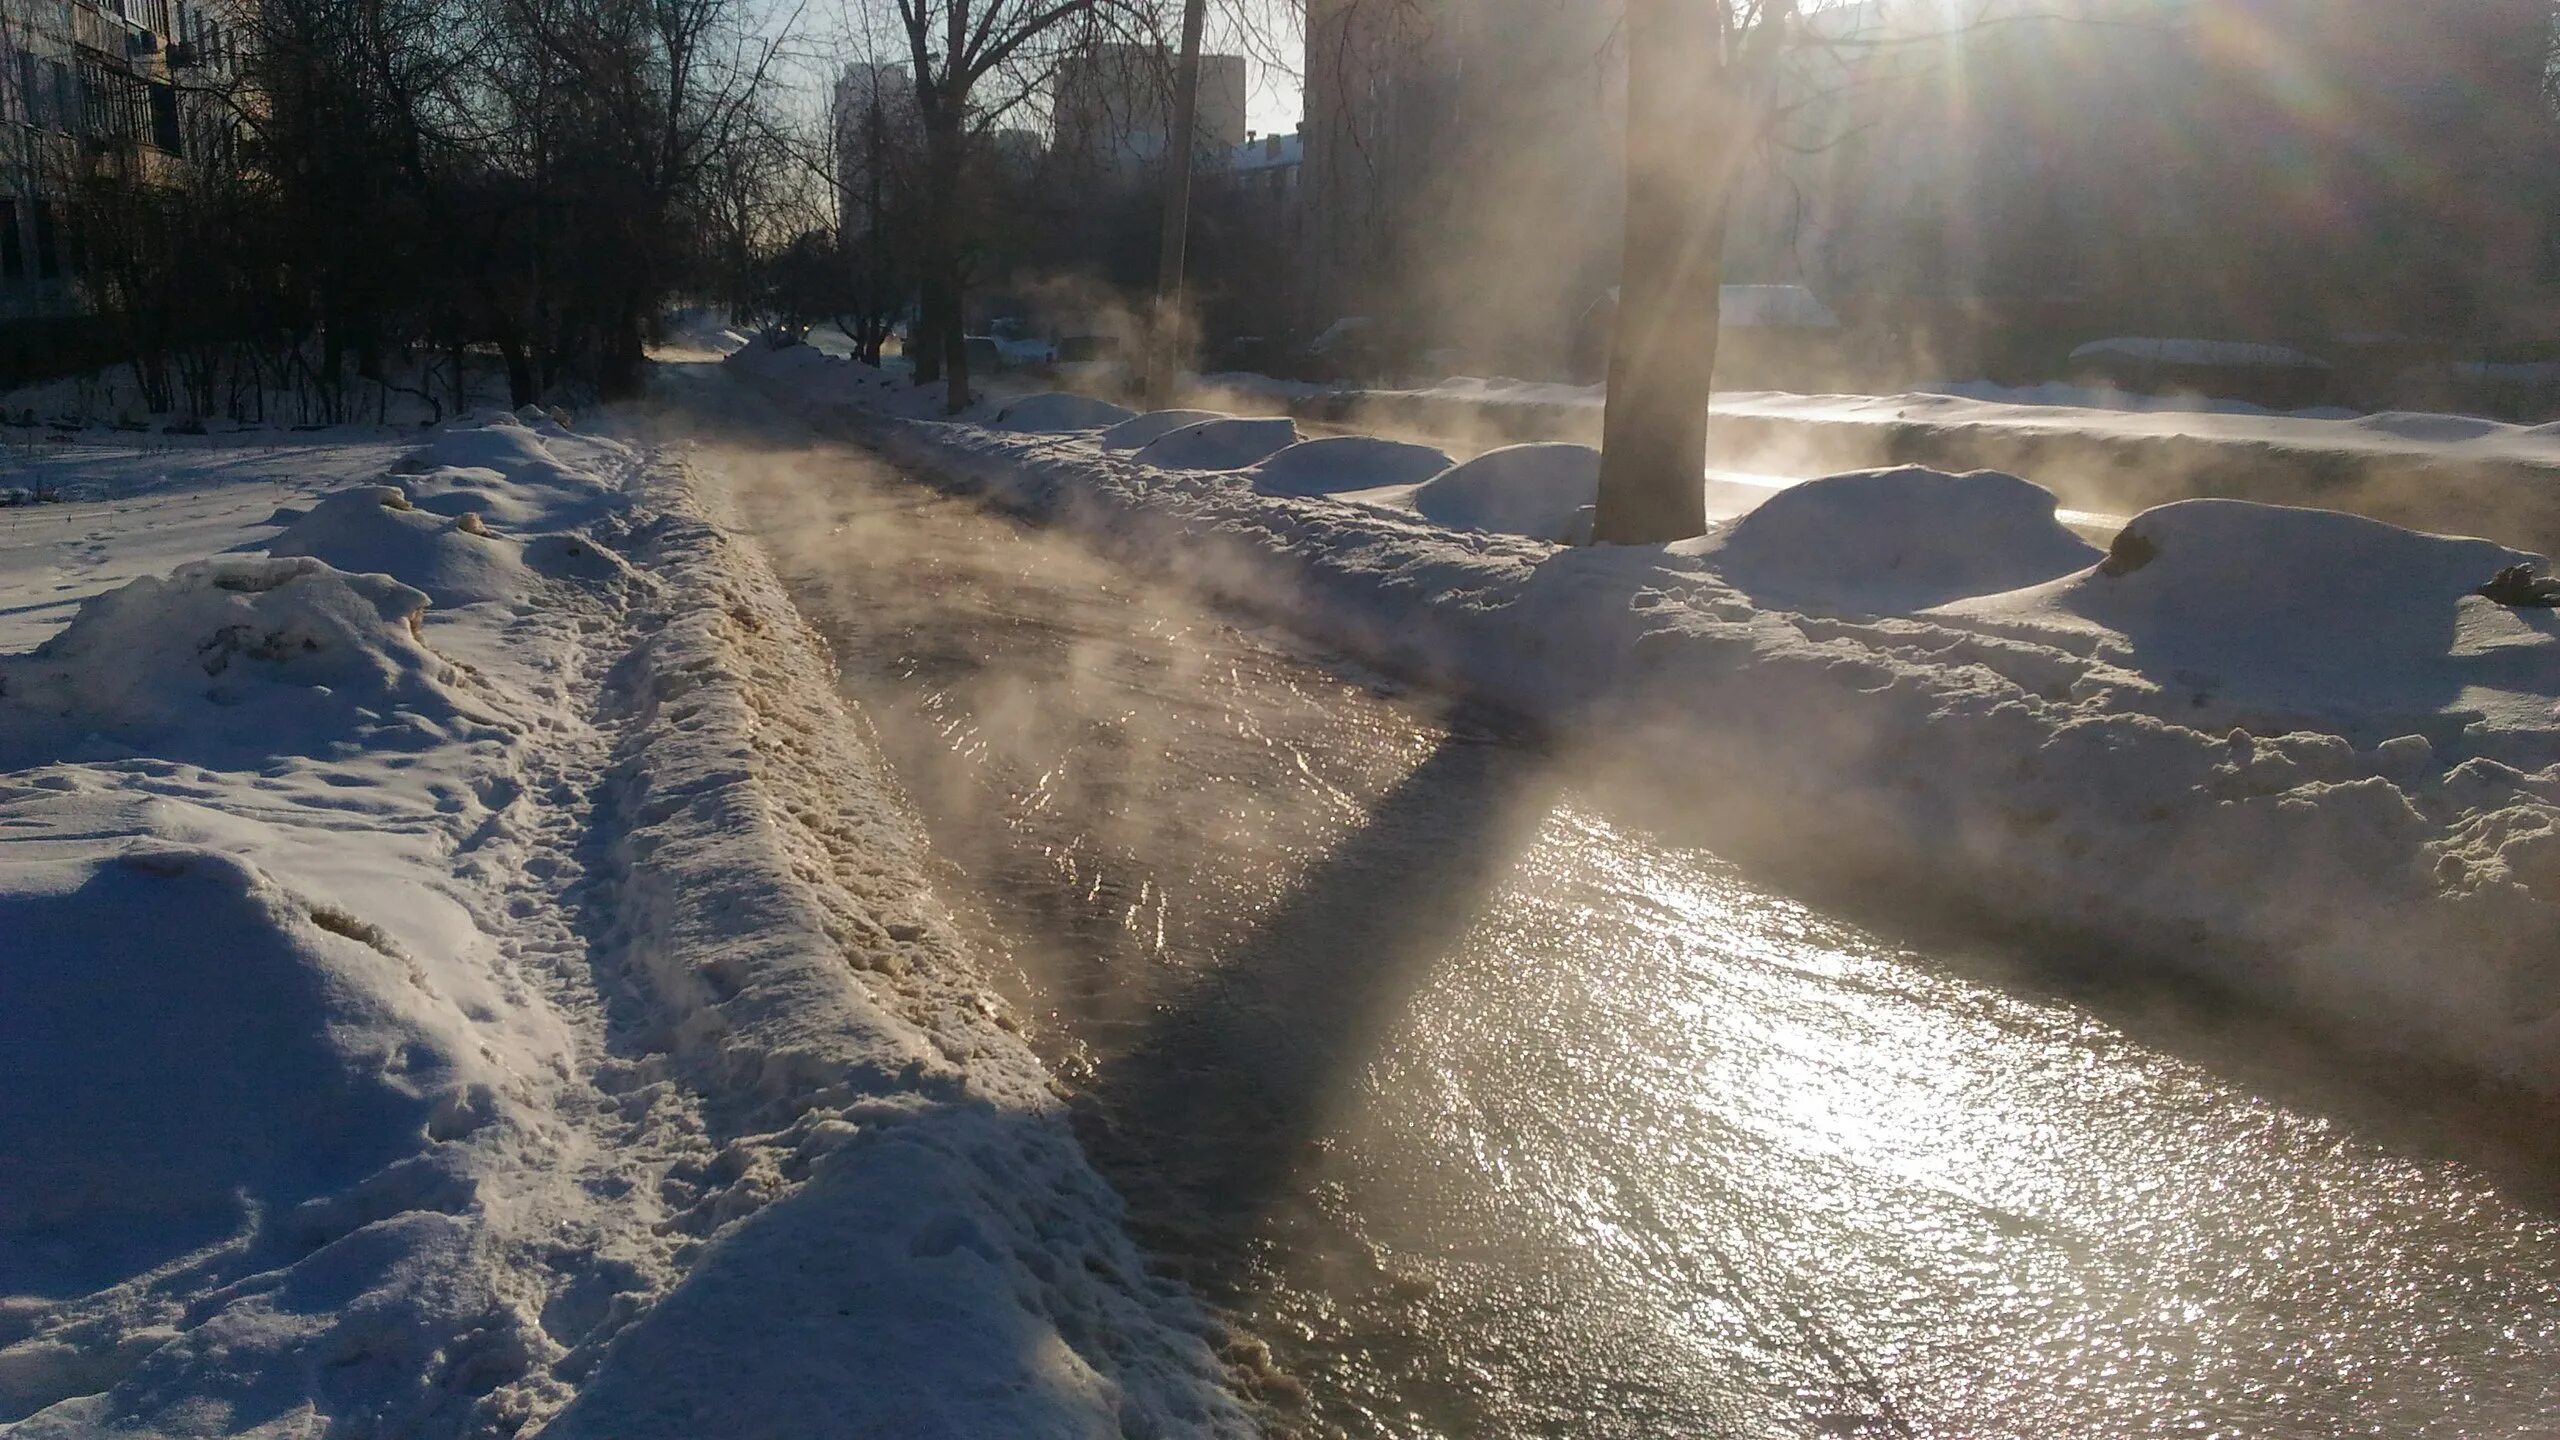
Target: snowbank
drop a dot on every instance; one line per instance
(904, 1236)
(1218, 444)
(434, 1015)
(2102, 453)
(2249, 610)
(1056, 412)
(1542, 491)
(2394, 873)
(1887, 542)
(1338, 464)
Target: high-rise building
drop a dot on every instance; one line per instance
(875, 122)
(1112, 108)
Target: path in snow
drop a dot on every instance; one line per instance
(1495, 1114)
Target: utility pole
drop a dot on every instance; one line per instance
(1164, 355)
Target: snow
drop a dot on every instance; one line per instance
(1054, 412)
(2047, 411)
(463, 972)
(1543, 491)
(1887, 542)
(2260, 609)
(2218, 353)
(2175, 770)
(1218, 445)
(1138, 432)
(2063, 395)
(1339, 463)
(377, 530)
(287, 655)
(2430, 429)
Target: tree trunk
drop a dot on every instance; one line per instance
(1686, 140)
(521, 389)
(925, 340)
(938, 310)
(955, 357)
(1182, 144)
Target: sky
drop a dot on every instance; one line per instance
(1267, 34)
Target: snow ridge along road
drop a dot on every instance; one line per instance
(461, 973)
(2319, 781)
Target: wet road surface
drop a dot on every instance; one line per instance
(1496, 1114)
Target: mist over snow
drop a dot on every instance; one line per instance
(1925, 674)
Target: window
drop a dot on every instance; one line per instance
(164, 117)
(13, 261)
(66, 102)
(48, 258)
(30, 96)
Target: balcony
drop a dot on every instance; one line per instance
(98, 32)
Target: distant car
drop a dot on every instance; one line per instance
(1085, 349)
(1027, 353)
(986, 356)
(1351, 348)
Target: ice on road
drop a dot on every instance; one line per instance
(1496, 1110)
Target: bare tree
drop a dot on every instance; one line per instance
(973, 60)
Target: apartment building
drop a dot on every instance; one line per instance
(1112, 109)
(121, 90)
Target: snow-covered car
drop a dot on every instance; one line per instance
(1027, 352)
(2270, 375)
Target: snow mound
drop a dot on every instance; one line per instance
(505, 445)
(1890, 541)
(1219, 444)
(1141, 431)
(1056, 412)
(205, 1047)
(1341, 463)
(284, 653)
(374, 530)
(2228, 598)
(1542, 491)
(455, 492)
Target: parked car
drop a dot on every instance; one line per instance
(1086, 349)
